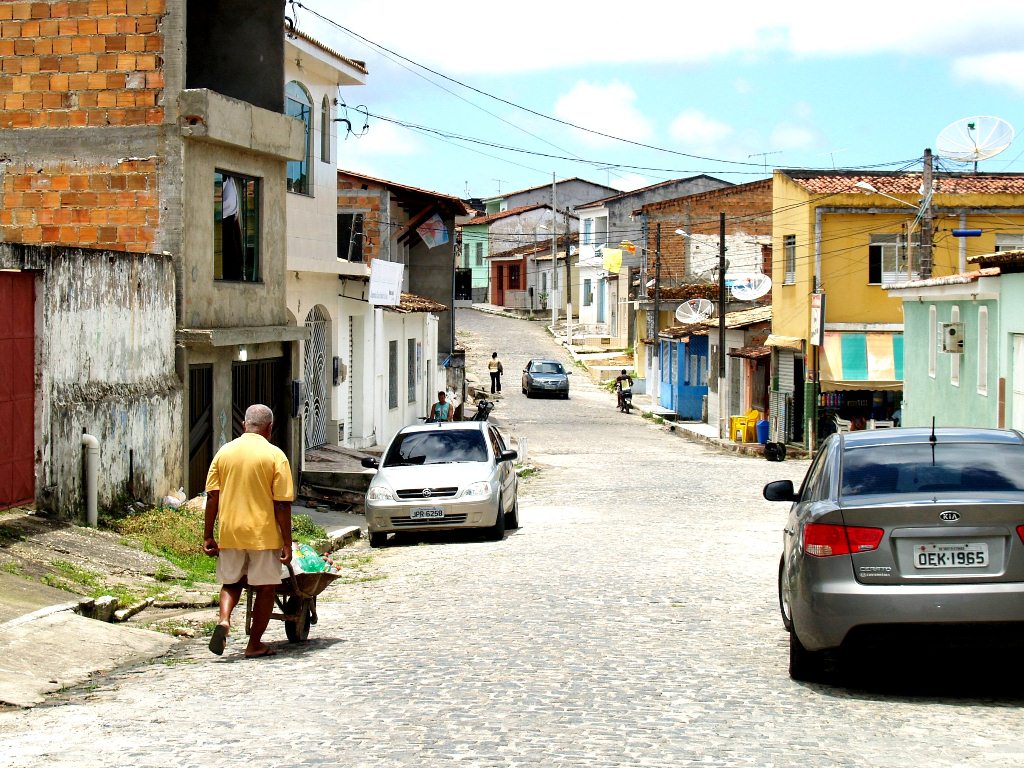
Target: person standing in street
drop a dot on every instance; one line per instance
(495, 368)
(441, 410)
(249, 487)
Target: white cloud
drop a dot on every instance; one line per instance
(786, 136)
(697, 133)
(607, 108)
(629, 182)
(1002, 69)
(382, 140)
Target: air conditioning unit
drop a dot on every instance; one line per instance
(952, 338)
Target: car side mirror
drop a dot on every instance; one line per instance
(508, 456)
(370, 462)
(780, 490)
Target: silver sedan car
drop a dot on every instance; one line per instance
(903, 535)
(443, 476)
(546, 377)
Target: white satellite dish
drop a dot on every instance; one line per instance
(694, 310)
(971, 139)
(751, 287)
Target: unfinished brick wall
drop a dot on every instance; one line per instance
(748, 214)
(69, 203)
(353, 196)
(77, 64)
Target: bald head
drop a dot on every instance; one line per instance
(258, 418)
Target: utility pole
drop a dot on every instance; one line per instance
(927, 231)
(656, 362)
(568, 281)
(722, 415)
(554, 254)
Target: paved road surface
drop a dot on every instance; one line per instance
(630, 622)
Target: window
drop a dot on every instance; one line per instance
(588, 232)
(789, 250)
(887, 259)
(326, 129)
(982, 350)
(410, 365)
(350, 237)
(954, 359)
(588, 292)
(595, 230)
(933, 340)
(236, 227)
(298, 104)
(465, 255)
(544, 282)
(1009, 243)
(514, 276)
(479, 254)
(392, 374)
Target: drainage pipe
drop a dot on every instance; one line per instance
(92, 469)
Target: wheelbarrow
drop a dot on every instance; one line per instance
(295, 601)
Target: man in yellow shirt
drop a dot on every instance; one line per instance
(249, 486)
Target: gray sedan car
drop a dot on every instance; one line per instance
(546, 377)
(905, 536)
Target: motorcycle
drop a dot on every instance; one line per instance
(483, 410)
(626, 399)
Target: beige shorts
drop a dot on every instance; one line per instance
(261, 566)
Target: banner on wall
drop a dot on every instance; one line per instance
(433, 231)
(385, 282)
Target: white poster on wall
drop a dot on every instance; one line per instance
(385, 282)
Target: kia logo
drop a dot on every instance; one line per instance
(949, 516)
(426, 495)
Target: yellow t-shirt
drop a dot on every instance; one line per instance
(251, 474)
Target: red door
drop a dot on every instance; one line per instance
(17, 388)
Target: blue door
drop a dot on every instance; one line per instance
(692, 379)
(666, 392)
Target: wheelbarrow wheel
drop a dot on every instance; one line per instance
(297, 630)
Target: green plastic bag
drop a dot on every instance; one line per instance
(305, 559)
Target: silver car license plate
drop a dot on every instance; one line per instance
(959, 555)
(426, 513)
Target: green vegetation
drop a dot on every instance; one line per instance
(305, 530)
(12, 568)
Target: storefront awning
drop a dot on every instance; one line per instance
(872, 361)
(785, 342)
(751, 353)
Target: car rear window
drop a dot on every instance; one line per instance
(441, 447)
(922, 468)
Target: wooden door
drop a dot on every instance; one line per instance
(17, 388)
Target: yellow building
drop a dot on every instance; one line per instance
(845, 235)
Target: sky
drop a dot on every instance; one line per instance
(629, 95)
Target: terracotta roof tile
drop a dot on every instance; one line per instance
(410, 302)
(842, 182)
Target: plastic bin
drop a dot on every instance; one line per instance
(762, 431)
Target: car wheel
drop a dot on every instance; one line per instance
(497, 531)
(512, 518)
(378, 539)
(806, 666)
(529, 392)
(784, 607)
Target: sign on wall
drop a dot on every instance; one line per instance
(385, 282)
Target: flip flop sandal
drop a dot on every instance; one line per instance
(220, 636)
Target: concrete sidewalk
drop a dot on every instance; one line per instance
(46, 645)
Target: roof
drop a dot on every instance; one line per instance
(622, 195)
(752, 353)
(457, 203)
(410, 303)
(734, 189)
(962, 278)
(354, 63)
(900, 183)
(542, 186)
(541, 246)
(520, 209)
(733, 320)
(1011, 257)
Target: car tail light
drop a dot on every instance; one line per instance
(824, 540)
(1020, 532)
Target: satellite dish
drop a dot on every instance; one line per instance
(694, 310)
(971, 139)
(751, 287)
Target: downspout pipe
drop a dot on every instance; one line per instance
(92, 470)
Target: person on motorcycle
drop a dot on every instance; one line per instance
(620, 384)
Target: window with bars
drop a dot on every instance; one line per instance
(889, 262)
(789, 251)
(410, 365)
(392, 374)
(479, 254)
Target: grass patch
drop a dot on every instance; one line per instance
(305, 530)
(76, 574)
(12, 568)
(527, 472)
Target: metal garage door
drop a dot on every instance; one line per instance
(17, 387)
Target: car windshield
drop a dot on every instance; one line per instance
(548, 368)
(922, 468)
(440, 447)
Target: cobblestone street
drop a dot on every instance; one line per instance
(631, 621)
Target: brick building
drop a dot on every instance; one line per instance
(142, 218)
